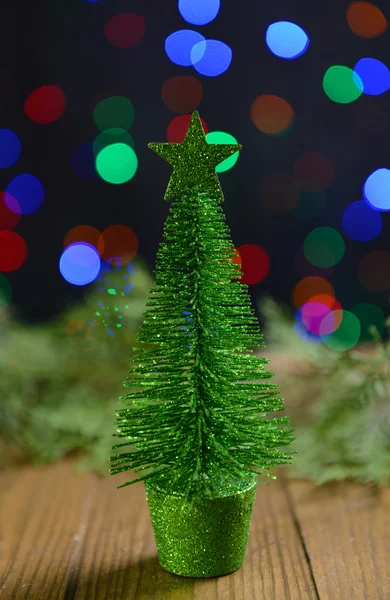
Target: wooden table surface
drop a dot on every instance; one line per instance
(66, 536)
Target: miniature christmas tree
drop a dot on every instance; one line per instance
(196, 419)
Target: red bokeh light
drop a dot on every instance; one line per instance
(82, 233)
(45, 104)
(271, 114)
(256, 263)
(279, 192)
(8, 218)
(309, 287)
(182, 94)
(13, 251)
(177, 128)
(314, 171)
(327, 300)
(117, 243)
(374, 271)
(365, 19)
(125, 30)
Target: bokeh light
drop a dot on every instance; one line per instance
(376, 190)
(313, 315)
(9, 218)
(114, 112)
(82, 162)
(374, 271)
(80, 263)
(306, 268)
(199, 12)
(256, 263)
(5, 292)
(125, 30)
(286, 39)
(324, 247)
(211, 57)
(220, 137)
(117, 163)
(115, 135)
(360, 222)
(374, 75)
(347, 334)
(236, 258)
(118, 244)
(368, 116)
(178, 127)
(311, 203)
(369, 315)
(45, 104)
(182, 93)
(178, 46)
(272, 114)
(304, 334)
(329, 301)
(112, 309)
(315, 172)
(341, 84)
(13, 251)
(109, 267)
(311, 286)
(10, 148)
(279, 192)
(27, 190)
(82, 233)
(365, 19)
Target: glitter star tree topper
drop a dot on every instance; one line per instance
(196, 425)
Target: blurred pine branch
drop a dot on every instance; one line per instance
(338, 402)
(59, 383)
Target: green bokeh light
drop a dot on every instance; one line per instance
(324, 247)
(114, 112)
(346, 336)
(220, 137)
(341, 84)
(115, 135)
(310, 205)
(5, 292)
(117, 163)
(369, 314)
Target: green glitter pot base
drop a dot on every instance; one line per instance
(201, 537)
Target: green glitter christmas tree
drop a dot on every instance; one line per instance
(196, 423)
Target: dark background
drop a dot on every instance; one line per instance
(62, 42)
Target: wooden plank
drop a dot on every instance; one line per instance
(42, 514)
(345, 529)
(75, 537)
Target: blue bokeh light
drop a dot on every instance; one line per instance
(361, 222)
(374, 75)
(10, 148)
(286, 40)
(28, 191)
(82, 162)
(376, 190)
(211, 57)
(80, 263)
(179, 45)
(305, 334)
(199, 12)
(114, 265)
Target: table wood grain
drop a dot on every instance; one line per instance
(70, 536)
